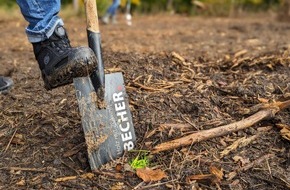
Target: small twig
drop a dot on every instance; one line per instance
(162, 127)
(67, 165)
(10, 141)
(68, 178)
(74, 150)
(250, 165)
(270, 181)
(269, 168)
(244, 141)
(190, 123)
(24, 169)
(255, 162)
(268, 112)
(63, 179)
(109, 174)
(138, 186)
(146, 87)
(156, 184)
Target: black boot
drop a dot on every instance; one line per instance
(59, 62)
(5, 84)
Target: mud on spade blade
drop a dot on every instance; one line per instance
(108, 128)
(109, 131)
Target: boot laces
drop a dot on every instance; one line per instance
(60, 45)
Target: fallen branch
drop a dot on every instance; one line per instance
(268, 111)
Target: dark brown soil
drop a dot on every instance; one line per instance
(229, 66)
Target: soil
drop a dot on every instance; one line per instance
(182, 75)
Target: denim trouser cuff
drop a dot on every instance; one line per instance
(44, 34)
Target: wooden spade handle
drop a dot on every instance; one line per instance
(92, 15)
(94, 40)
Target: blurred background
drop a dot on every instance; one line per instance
(226, 8)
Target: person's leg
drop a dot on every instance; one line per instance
(113, 8)
(128, 15)
(58, 61)
(42, 17)
(111, 12)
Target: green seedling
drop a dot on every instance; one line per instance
(140, 161)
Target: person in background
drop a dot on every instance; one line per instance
(129, 6)
(58, 61)
(111, 12)
(128, 15)
(5, 84)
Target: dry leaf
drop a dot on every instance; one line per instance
(119, 167)
(147, 174)
(218, 173)
(21, 182)
(285, 132)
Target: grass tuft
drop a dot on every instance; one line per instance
(141, 161)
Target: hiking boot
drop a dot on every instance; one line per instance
(5, 84)
(59, 62)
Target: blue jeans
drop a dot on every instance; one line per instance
(113, 8)
(42, 16)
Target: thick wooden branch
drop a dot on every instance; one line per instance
(268, 111)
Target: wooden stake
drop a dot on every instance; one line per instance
(269, 111)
